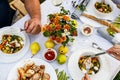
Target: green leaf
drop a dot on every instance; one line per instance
(50, 16)
(82, 7)
(46, 33)
(63, 11)
(117, 77)
(66, 42)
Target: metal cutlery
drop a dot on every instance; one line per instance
(22, 29)
(77, 13)
(98, 54)
(95, 45)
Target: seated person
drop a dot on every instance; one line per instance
(32, 26)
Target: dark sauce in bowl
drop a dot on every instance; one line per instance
(50, 55)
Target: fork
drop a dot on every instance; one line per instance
(22, 29)
(75, 16)
(77, 13)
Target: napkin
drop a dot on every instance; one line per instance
(114, 40)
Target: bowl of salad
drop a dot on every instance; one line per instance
(12, 41)
(103, 8)
(89, 65)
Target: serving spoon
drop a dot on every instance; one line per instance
(98, 54)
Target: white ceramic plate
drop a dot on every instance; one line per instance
(76, 73)
(8, 58)
(91, 10)
(48, 68)
(116, 72)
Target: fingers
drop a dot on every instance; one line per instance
(36, 29)
(26, 25)
(115, 51)
(32, 26)
(83, 78)
(87, 77)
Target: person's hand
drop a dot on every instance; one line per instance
(32, 26)
(86, 77)
(117, 2)
(115, 51)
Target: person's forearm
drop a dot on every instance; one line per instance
(33, 8)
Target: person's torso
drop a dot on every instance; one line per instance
(6, 13)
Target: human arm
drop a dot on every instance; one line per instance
(33, 25)
(86, 77)
(117, 2)
(115, 51)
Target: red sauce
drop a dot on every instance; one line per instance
(49, 55)
(87, 30)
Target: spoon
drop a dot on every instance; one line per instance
(95, 45)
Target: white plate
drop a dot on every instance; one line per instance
(75, 72)
(48, 69)
(90, 10)
(116, 72)
(8, 58)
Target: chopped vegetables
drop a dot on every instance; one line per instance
(11, 44)
(102, 7)
(110, 31)
(93, 63)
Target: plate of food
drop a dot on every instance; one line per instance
(97, 9)
(13, 44)
(32, 69)
(79, 64)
